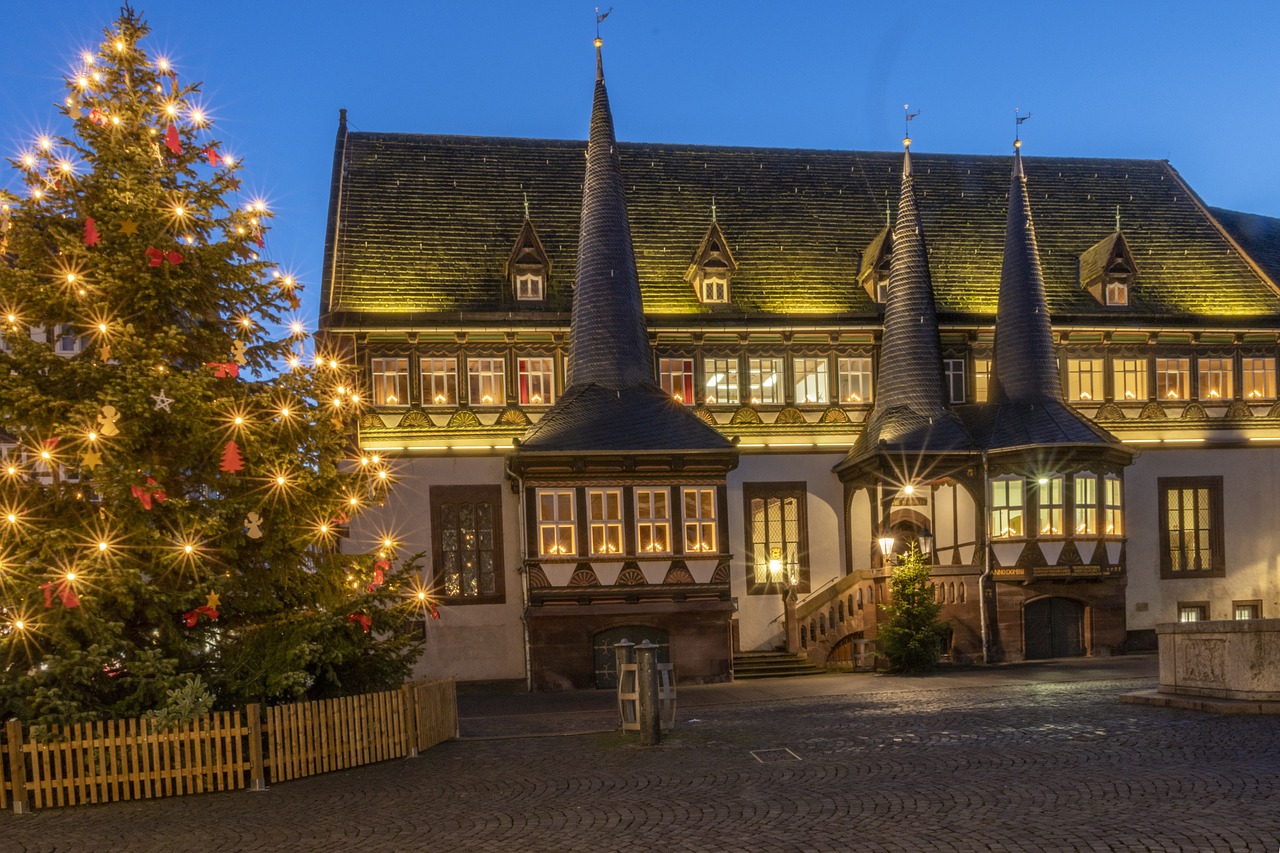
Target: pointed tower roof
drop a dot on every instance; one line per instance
(1025, 367)
(910, 413)
(612, 403)
(910, 353)
(610, 343)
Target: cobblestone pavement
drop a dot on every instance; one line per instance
(998, 764)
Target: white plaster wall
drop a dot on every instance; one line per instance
(756, 613)
(472, 641)
(1251, 510)
(862, 533)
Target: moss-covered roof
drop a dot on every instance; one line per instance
(424, 225)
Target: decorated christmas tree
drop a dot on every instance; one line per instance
(176, 476)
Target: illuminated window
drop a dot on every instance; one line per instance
(1191, 516)
(439, 381)
(1197, 612)
(653, 521)
(1259, 375)
(1006, 509)
(765, 377)
(535, 376)
(953, 372)
(1113, 506)
(466, 530)
(390, 381)
(721, 381)
(1084, 379)
(1086, 505)
(529, 287)
(1215, 378)
(981, 380)
(487, 381)
(699, 520)
(855, 380)
(1173, 378)
(811, 384)
(1052, 500)
(604, 520)
(675, 375)
(1246, 609)
(1130, 376)
(556, 523)
(777, 536)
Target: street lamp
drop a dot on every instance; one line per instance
(886, 546)
(926, 545)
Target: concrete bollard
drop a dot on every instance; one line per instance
(647, 678)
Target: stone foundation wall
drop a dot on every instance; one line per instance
(1227, 659)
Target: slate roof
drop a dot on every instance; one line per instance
(590, 417)
(610, 341)
(1095, 259)
(1024, 365)
(1043, 422)
(422, 226)
(1257, 235)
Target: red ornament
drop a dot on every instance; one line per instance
(212, 154)
(380, 569)
(223, 369)
(98, 117)
(232, 461)
(435, 611)
(51, 443)
(64, 592)
(91, 236)
(191, 617)
(364, 621)
(156, 257)
(172, 141)
(149, 493)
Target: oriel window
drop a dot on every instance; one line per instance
(1050, 495)
(1007, 506)
(699, 520)
(1113, 505)
(1086, 504)
(604, 520)
(653, 521)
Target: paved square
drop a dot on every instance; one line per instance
(996, 761)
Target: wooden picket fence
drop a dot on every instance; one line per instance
(138, 759)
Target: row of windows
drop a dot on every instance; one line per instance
(1010, 511)
(558, 527)
(1198, 611)
(777, 381)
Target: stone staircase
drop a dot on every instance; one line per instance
(775, 664)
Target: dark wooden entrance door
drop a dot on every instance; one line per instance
(606, 665)
(1053, 628)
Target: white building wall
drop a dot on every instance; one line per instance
(759, 624)
(1251, 500)
(472, 642)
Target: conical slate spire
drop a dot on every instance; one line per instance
(610, 345)
(1025, 367)
(910, 352)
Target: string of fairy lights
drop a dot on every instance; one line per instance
(50, 171)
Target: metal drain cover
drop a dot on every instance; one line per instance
(773, 756)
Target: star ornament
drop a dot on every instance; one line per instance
(128, 228)
(92, 459)
(212, 601)
(162, 401)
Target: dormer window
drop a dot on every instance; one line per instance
(528, 267)
(1108, 270)
(529, 287)
(873, 273)
(712, 268)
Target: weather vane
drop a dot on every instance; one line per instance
(713, 208)
(1017, 124)
(600, 18)
(907, 123)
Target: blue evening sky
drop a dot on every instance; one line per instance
(1193, 82)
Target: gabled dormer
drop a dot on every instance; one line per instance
(713, 265)
(528, 267)
(1108, 270)
(873, 273)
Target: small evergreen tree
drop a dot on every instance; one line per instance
(912, 636)
(173, 481)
